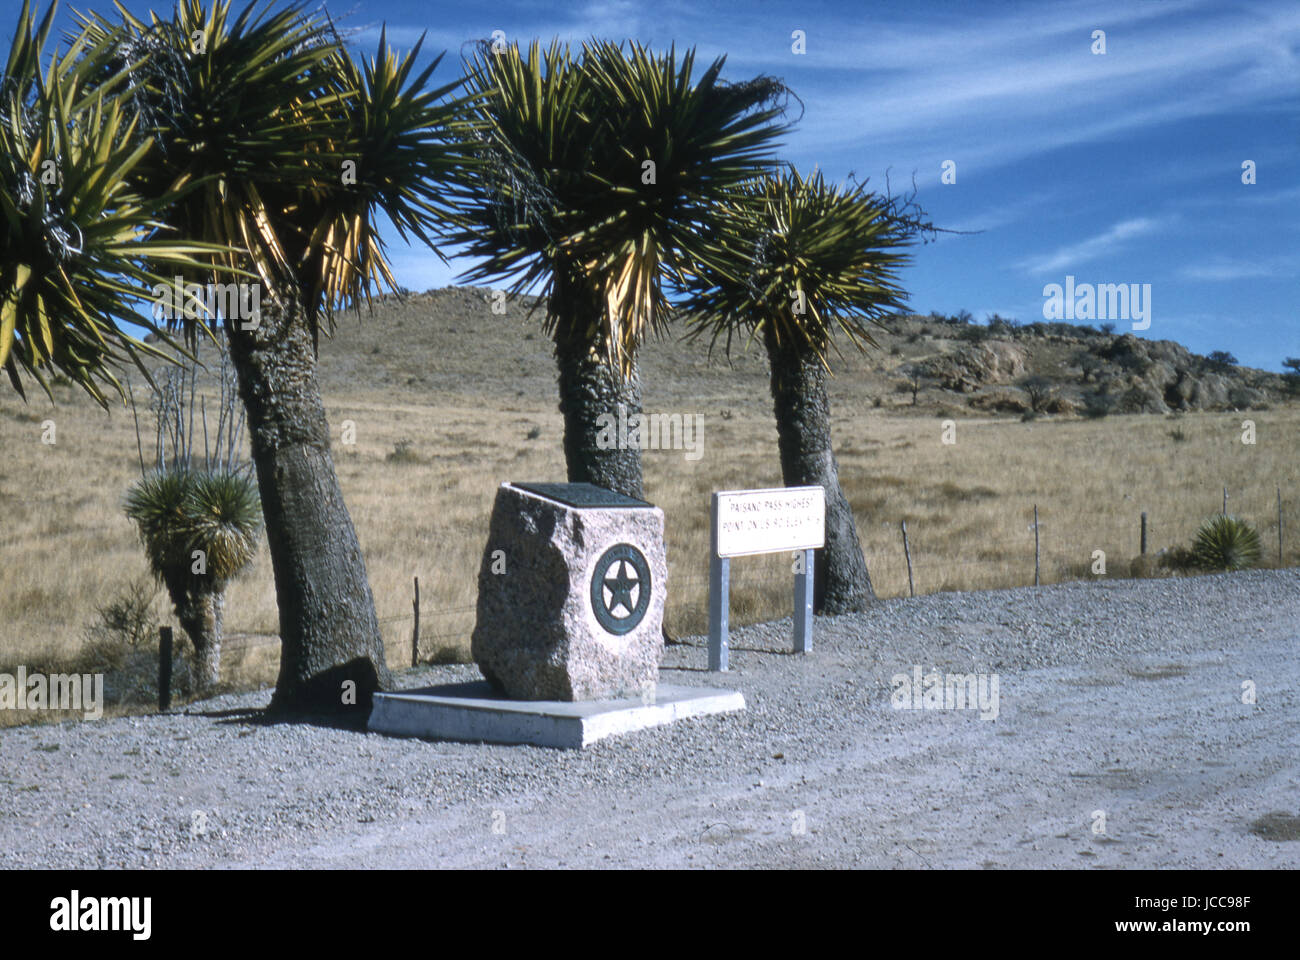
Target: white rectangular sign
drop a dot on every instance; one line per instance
(768, 521)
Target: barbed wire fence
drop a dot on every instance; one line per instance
(928, 562)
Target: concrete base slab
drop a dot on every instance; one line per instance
(474, 712)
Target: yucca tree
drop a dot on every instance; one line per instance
(199, 530)
(602, 169)
(79, 242)
(297, 153)
(805, 260)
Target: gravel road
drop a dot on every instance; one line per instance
(1121, 740)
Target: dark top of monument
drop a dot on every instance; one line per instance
(581, 495)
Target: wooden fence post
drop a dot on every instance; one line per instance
(1225, 501)
(1279, 524)
(415, 634)
(907, 552)
(164, 668)
(1035, 544)
(1144, 532)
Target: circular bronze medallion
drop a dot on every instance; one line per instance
(620, 588)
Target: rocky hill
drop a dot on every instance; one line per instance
(450, 341)
(1060, 368)
(450, 345)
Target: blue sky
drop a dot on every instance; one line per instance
(1122, 167)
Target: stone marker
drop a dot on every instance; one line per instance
(571, 601)
(571, 594)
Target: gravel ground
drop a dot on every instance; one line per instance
(1117, 699)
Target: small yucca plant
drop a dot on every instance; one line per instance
(1226, 543)
(199, 530)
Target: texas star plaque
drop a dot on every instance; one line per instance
(571, 594)
(620, 588)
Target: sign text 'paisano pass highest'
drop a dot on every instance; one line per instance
(766, 521)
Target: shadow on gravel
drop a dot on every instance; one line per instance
(1278, 827)
(689, 669)
(223, 714)
(262, 717)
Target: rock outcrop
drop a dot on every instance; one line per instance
(977, 365)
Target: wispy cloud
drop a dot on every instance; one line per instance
(1003, 214)
(523, 23)
(988, 93)
(1101, 245)
(923, 86)
(1220, 269)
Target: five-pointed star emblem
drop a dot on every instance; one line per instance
(620, 588)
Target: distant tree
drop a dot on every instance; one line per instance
(1222, 360)
(1097, 405)
(1039, 390)
(913, 372)
(1108, 328)
(963, 317)
(1089, 367)
(1292, 377)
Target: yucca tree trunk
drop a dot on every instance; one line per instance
(200, 616)
(590, 388)
(331, 651)
(841, 583)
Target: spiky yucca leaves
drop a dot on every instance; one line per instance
(79, 245)
(178, 512)
(800, 260)
(1226, 543)
(225, 517)
(296, 150)
(199, 531)
(158, 505)
(602, 169)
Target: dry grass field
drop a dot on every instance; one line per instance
(448, 400)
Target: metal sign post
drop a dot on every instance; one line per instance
(719, 595)
(749, 522)
(803, 604)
